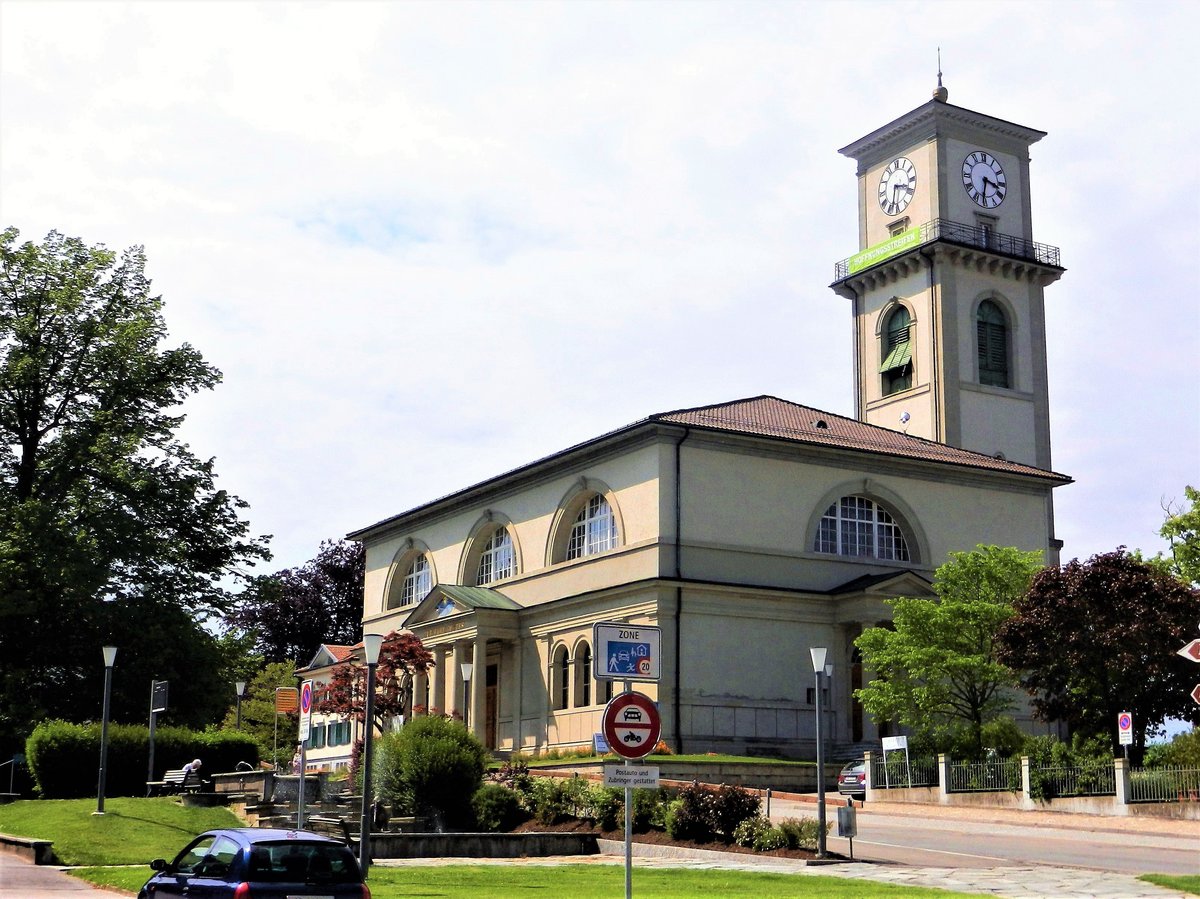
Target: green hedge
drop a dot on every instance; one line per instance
(64, 758)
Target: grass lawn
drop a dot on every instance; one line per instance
(582, 882)
(131, 831)
(1185, 883)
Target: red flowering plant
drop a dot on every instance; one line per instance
(400, 658)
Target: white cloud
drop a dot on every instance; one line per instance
(427, 243)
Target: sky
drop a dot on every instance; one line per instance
(427, 243)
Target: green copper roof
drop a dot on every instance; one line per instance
(477, 597)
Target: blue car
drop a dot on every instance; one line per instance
(249, 863)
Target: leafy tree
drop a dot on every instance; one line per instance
(432, 766)
(258, 713)
(107, 520)
(400, 657)
(292, 612)
(1097, 638)
(936, 669)
(1182, 530)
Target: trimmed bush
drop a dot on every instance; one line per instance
(64, 758)
(497, 808)
(747, 833)
(731, 806)
(769, 839)
(608, 807)
(691, 815)
(801, 833)
(432, 766)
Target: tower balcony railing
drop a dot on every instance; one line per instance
(956, 233)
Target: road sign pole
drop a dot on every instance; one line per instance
(628, 826)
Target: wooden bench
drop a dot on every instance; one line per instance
(175, 781)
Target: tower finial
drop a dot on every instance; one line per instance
(941, 93)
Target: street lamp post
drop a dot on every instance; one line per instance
(818, 661)
(110, 656)
(371, 646)
(241, 688)
(467, 668)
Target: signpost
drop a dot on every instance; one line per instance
(1125, 730)
(1192, 651)
(158, 703)
(306, 702)
(632, 726)
(626, 651)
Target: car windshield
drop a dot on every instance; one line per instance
(298, 861)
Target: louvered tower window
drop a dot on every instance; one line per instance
(992, 337)
(896, 368)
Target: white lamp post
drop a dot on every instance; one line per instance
(467, 668)
(818, 654)
(241, 688)
(371, 646)
(110, 657)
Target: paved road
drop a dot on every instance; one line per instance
(974, 838)
(20, 879)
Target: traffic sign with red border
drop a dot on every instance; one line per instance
(1191, 651)
(1196, 694)
(306, 701)
(632, 725)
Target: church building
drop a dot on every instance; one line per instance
(751, 530)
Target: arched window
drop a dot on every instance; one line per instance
(857, 526)
(896, 369)
(583, 675)
(561, 687)
(991, 331)
(497, 560)
(418, 581)
(594, 530)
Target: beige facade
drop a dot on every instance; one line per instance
(717, 513)
(753, 530)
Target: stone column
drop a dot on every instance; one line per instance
(510, 681)
(1121, 775)
(420, 690)
(438, 699)
(479, 688)
(458, 700)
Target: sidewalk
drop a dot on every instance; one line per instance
(22, 879)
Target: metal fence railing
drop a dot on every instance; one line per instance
(985, 777)
(903, 772)
(1075, 780)
(1164, 785)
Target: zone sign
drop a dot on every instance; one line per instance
(626, 652)
(632, 725)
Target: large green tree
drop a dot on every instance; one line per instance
(1181, 529)
(936, 668)
(1094, 639)
(292, 612)
(111, 529)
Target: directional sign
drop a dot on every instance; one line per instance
(1196, 694)
(306, 701)
(626, 651)
(632, 725)
(1124, 729)
(158, 695)
(1191, 651)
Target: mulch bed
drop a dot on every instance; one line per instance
(660, 838)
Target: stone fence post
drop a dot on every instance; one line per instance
(1121, 780)
(943, 766)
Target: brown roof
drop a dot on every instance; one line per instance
(341, 653)
(769, 416)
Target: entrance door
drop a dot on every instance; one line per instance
(856, 709)
(491, 710)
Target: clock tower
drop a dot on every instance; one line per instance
(946, 289)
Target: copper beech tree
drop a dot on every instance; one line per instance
(400, 657)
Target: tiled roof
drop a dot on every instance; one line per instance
(341, 653)
(769, 416)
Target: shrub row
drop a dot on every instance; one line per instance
(64, 758)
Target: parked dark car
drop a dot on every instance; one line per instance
(853, 780)
(248, 863)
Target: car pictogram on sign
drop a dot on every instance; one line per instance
(632, 715)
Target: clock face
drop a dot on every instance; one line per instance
(897, 185)
(984, 179)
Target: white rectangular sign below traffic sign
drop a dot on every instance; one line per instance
(626, 652)
(631, 776)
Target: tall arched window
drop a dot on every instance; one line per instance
(991, 330)
(583, 675)
(418, 581)
(497, 560)
(561, 687)
(594, 530)
(857, 526)
(896, 369)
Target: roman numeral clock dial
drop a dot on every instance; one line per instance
(897, 185)
(984, 180)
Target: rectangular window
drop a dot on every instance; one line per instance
(316, 737)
